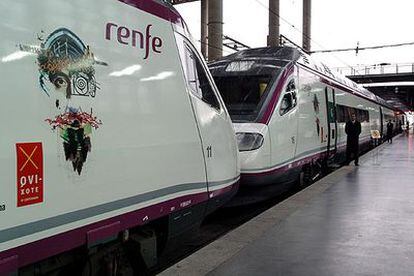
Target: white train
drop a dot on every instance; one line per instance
(289, 113)
(113, 134)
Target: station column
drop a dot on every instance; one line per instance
(215, 29)
(306, 32)
(204, 27)
(273, 37)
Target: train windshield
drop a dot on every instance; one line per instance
(244, 85)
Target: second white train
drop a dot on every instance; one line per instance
(289, 113)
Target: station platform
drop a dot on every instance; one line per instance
(355, 221)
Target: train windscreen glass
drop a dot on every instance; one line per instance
(244, 85)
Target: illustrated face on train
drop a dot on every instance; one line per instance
(67, 76)
(244, 84)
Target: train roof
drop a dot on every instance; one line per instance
(354, 87)
(291, 54)
(279, 53)
(169, 6)
(160, 8)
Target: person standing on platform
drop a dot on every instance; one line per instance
(352, 130)
(390, 129)
(407, 128)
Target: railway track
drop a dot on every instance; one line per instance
(218, 224)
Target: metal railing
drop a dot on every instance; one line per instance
(376, 69)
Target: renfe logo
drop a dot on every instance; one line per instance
(135, 38)
(29, 173)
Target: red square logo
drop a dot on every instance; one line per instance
(29, 173)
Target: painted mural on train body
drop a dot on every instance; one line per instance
(66, 71)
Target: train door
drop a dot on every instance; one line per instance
(332, 122)
(215, 126)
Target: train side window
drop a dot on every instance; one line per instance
(291, 86)
(288, 103)
(289, 100)
(198, 80)
(294, 99)
(208, 94)
(343, 114)
(340, 113)
(366, 115)
(190, 72)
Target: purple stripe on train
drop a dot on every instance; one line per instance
(156, 9)
(300, 162)
(276, 94)
(12, 259)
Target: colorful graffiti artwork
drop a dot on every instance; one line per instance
(68, 64)
(316, 109)
(66, 70)
(75, 128)
(315, 104)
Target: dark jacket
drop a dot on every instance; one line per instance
(353, 130)
(390, 128)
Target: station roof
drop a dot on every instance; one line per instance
(397, 88)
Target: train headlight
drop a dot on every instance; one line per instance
(249, 141)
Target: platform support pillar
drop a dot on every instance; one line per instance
(306, 32)
(204, 28)
(274, 23)
(215, 29)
